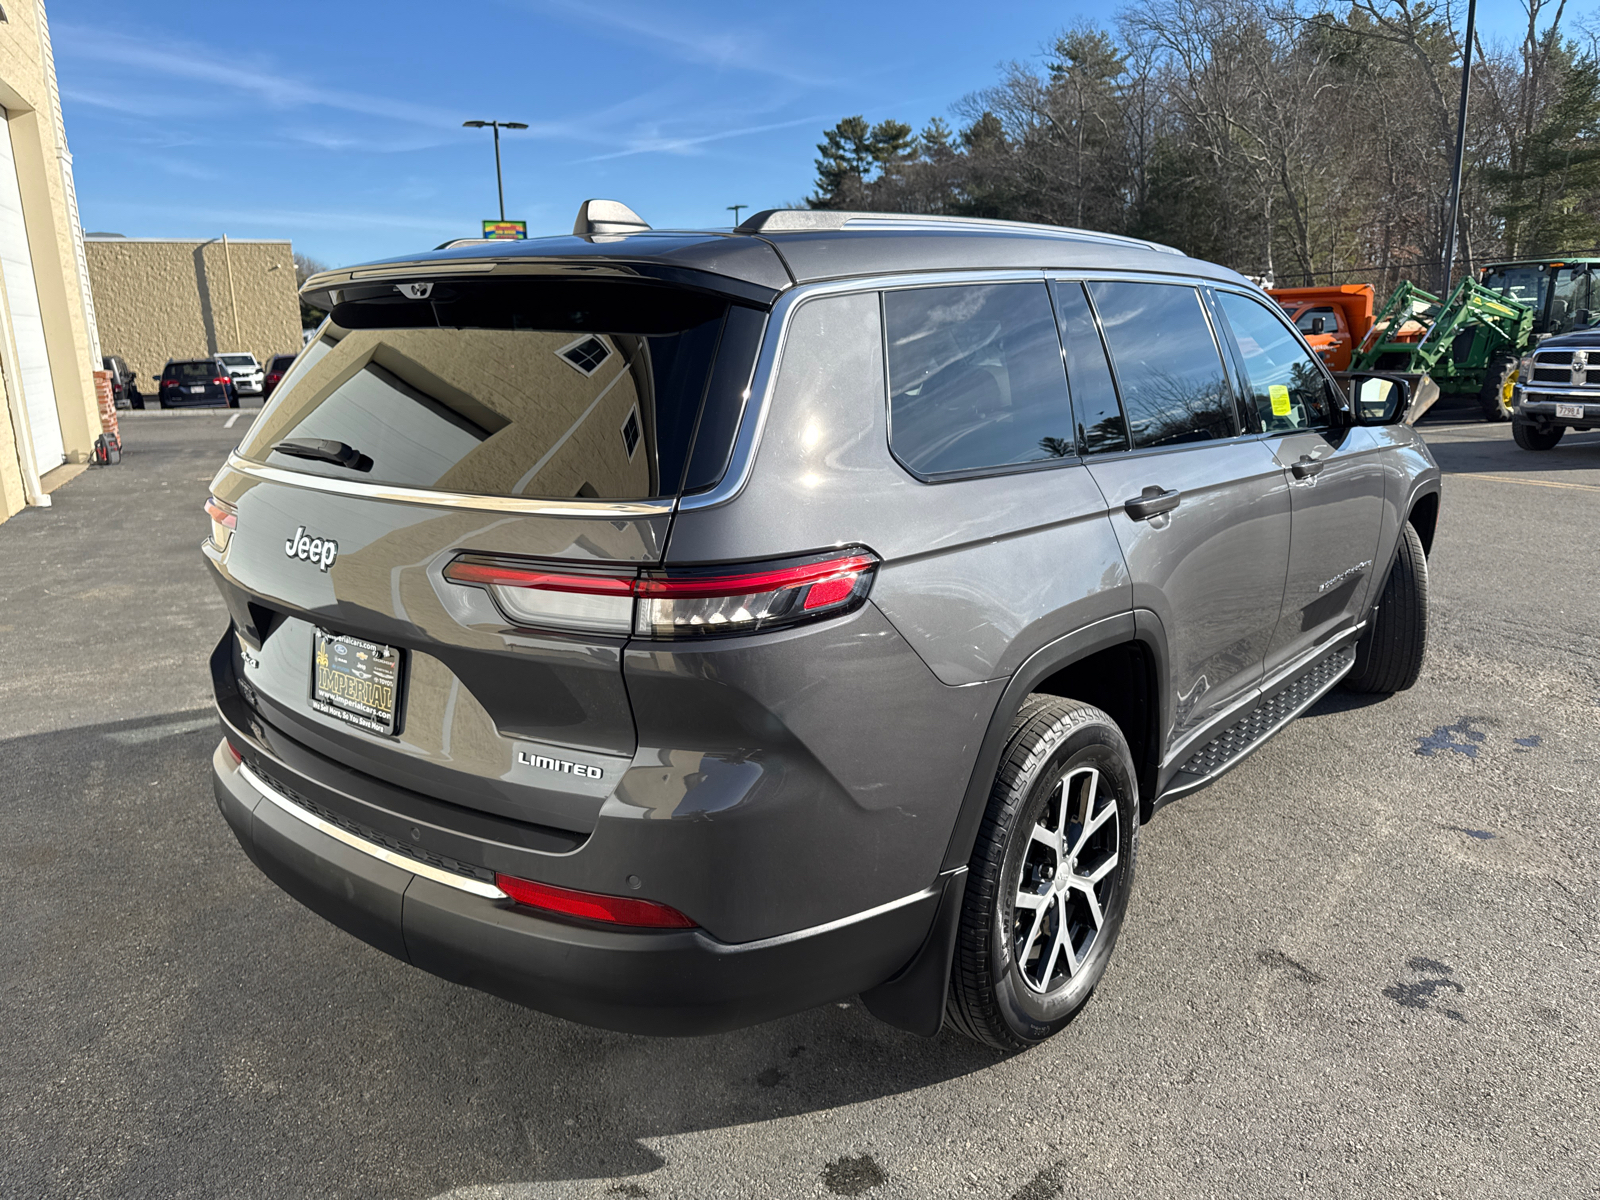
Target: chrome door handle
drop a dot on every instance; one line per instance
(1306, 467)
(1152, 502)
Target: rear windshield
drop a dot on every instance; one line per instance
(553, 389)
(192, 372)
(281, 362)
(238, 360)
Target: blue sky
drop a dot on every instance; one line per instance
(338, 124)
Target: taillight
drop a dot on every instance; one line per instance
(592, 906)
(674, 603)
(169, 383)
(224, 520)
(220, 380)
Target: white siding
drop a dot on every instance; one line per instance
(32, 370)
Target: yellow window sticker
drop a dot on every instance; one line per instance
(1280, 400)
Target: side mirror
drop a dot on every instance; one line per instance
(1319, 325)
(1378, 399)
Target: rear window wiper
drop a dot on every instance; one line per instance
(323, 450)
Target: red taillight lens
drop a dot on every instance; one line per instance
(224, 520)
(670, 604)
(220, 380)
(169, 383)
(237, 757)
(683, 605)
(592, 906)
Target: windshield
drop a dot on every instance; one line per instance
(1525, 285)
(545, 388)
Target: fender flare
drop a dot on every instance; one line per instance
(914, 998)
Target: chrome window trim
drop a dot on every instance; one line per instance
(475, 887)
(527, 506)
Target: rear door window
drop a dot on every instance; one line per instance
(1287, 386)
(975, 378)
(1167, 363)
(545, 388)
(1094, 397)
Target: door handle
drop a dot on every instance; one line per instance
(1306, 467)
(1152, 502)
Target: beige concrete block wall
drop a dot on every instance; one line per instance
(182, 298)
(25, 94)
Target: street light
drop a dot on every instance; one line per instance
(497, 126)
(734, 209)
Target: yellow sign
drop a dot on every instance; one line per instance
(1280, 400)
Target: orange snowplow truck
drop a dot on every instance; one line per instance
(1333, 319)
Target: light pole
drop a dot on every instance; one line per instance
(734, 209)
(1461, 147)
(497, 126)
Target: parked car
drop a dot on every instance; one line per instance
(1557, 389)
(124, 384)
(774, 619)
(246, 372)
(277, 365)
(197, 383)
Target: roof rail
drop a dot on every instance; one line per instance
(454, 242)
(607, 216)
(798, 220)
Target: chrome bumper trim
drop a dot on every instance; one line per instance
(475, 887)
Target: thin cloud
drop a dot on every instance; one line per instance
(721, 47)
(680, 145)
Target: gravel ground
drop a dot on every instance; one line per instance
(1362, 963)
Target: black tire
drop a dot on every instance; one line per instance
(233, 401)
(1389, 654)
(1062, 758)
(1530, 437)
(1494, 396)
(164, 404)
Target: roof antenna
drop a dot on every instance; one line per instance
(607, 216)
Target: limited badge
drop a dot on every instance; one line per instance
(1280, 399)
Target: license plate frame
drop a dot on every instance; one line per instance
(197, 387)
(361, 685)
(1572, 412)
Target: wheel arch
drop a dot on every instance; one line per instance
(1117, 664)
(1423, 516)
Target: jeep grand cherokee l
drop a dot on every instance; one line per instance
(672, 631)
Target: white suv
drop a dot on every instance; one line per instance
(246, 372)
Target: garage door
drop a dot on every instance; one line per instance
(32, 370)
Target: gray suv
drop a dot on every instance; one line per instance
(676, 630)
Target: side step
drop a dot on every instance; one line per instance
(1259, 724)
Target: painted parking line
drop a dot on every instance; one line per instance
(228, 424)
(1550, 483)
(154, 733)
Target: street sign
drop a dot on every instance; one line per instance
(505, 230)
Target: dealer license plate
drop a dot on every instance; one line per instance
(1574, 411)
(355, 681)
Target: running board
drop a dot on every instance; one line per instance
(1225, 750)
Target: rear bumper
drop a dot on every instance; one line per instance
(637, 981)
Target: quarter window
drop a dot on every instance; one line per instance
(975, 378)
(1168, 368)
(1286, 384)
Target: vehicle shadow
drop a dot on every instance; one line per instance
(228, 1035)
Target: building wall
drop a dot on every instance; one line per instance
(157, 299)
(27, 91)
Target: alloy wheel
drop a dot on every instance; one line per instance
(1068, 877)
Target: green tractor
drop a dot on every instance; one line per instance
(1470, 344)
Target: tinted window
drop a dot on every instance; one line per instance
(1094, 398)
(238, 360)
(546, 388)
(1168, 369)
(193, 372)
(280, 362)
(1286, 385)
(975, 378)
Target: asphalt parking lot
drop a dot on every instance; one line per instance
(1363, 963)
